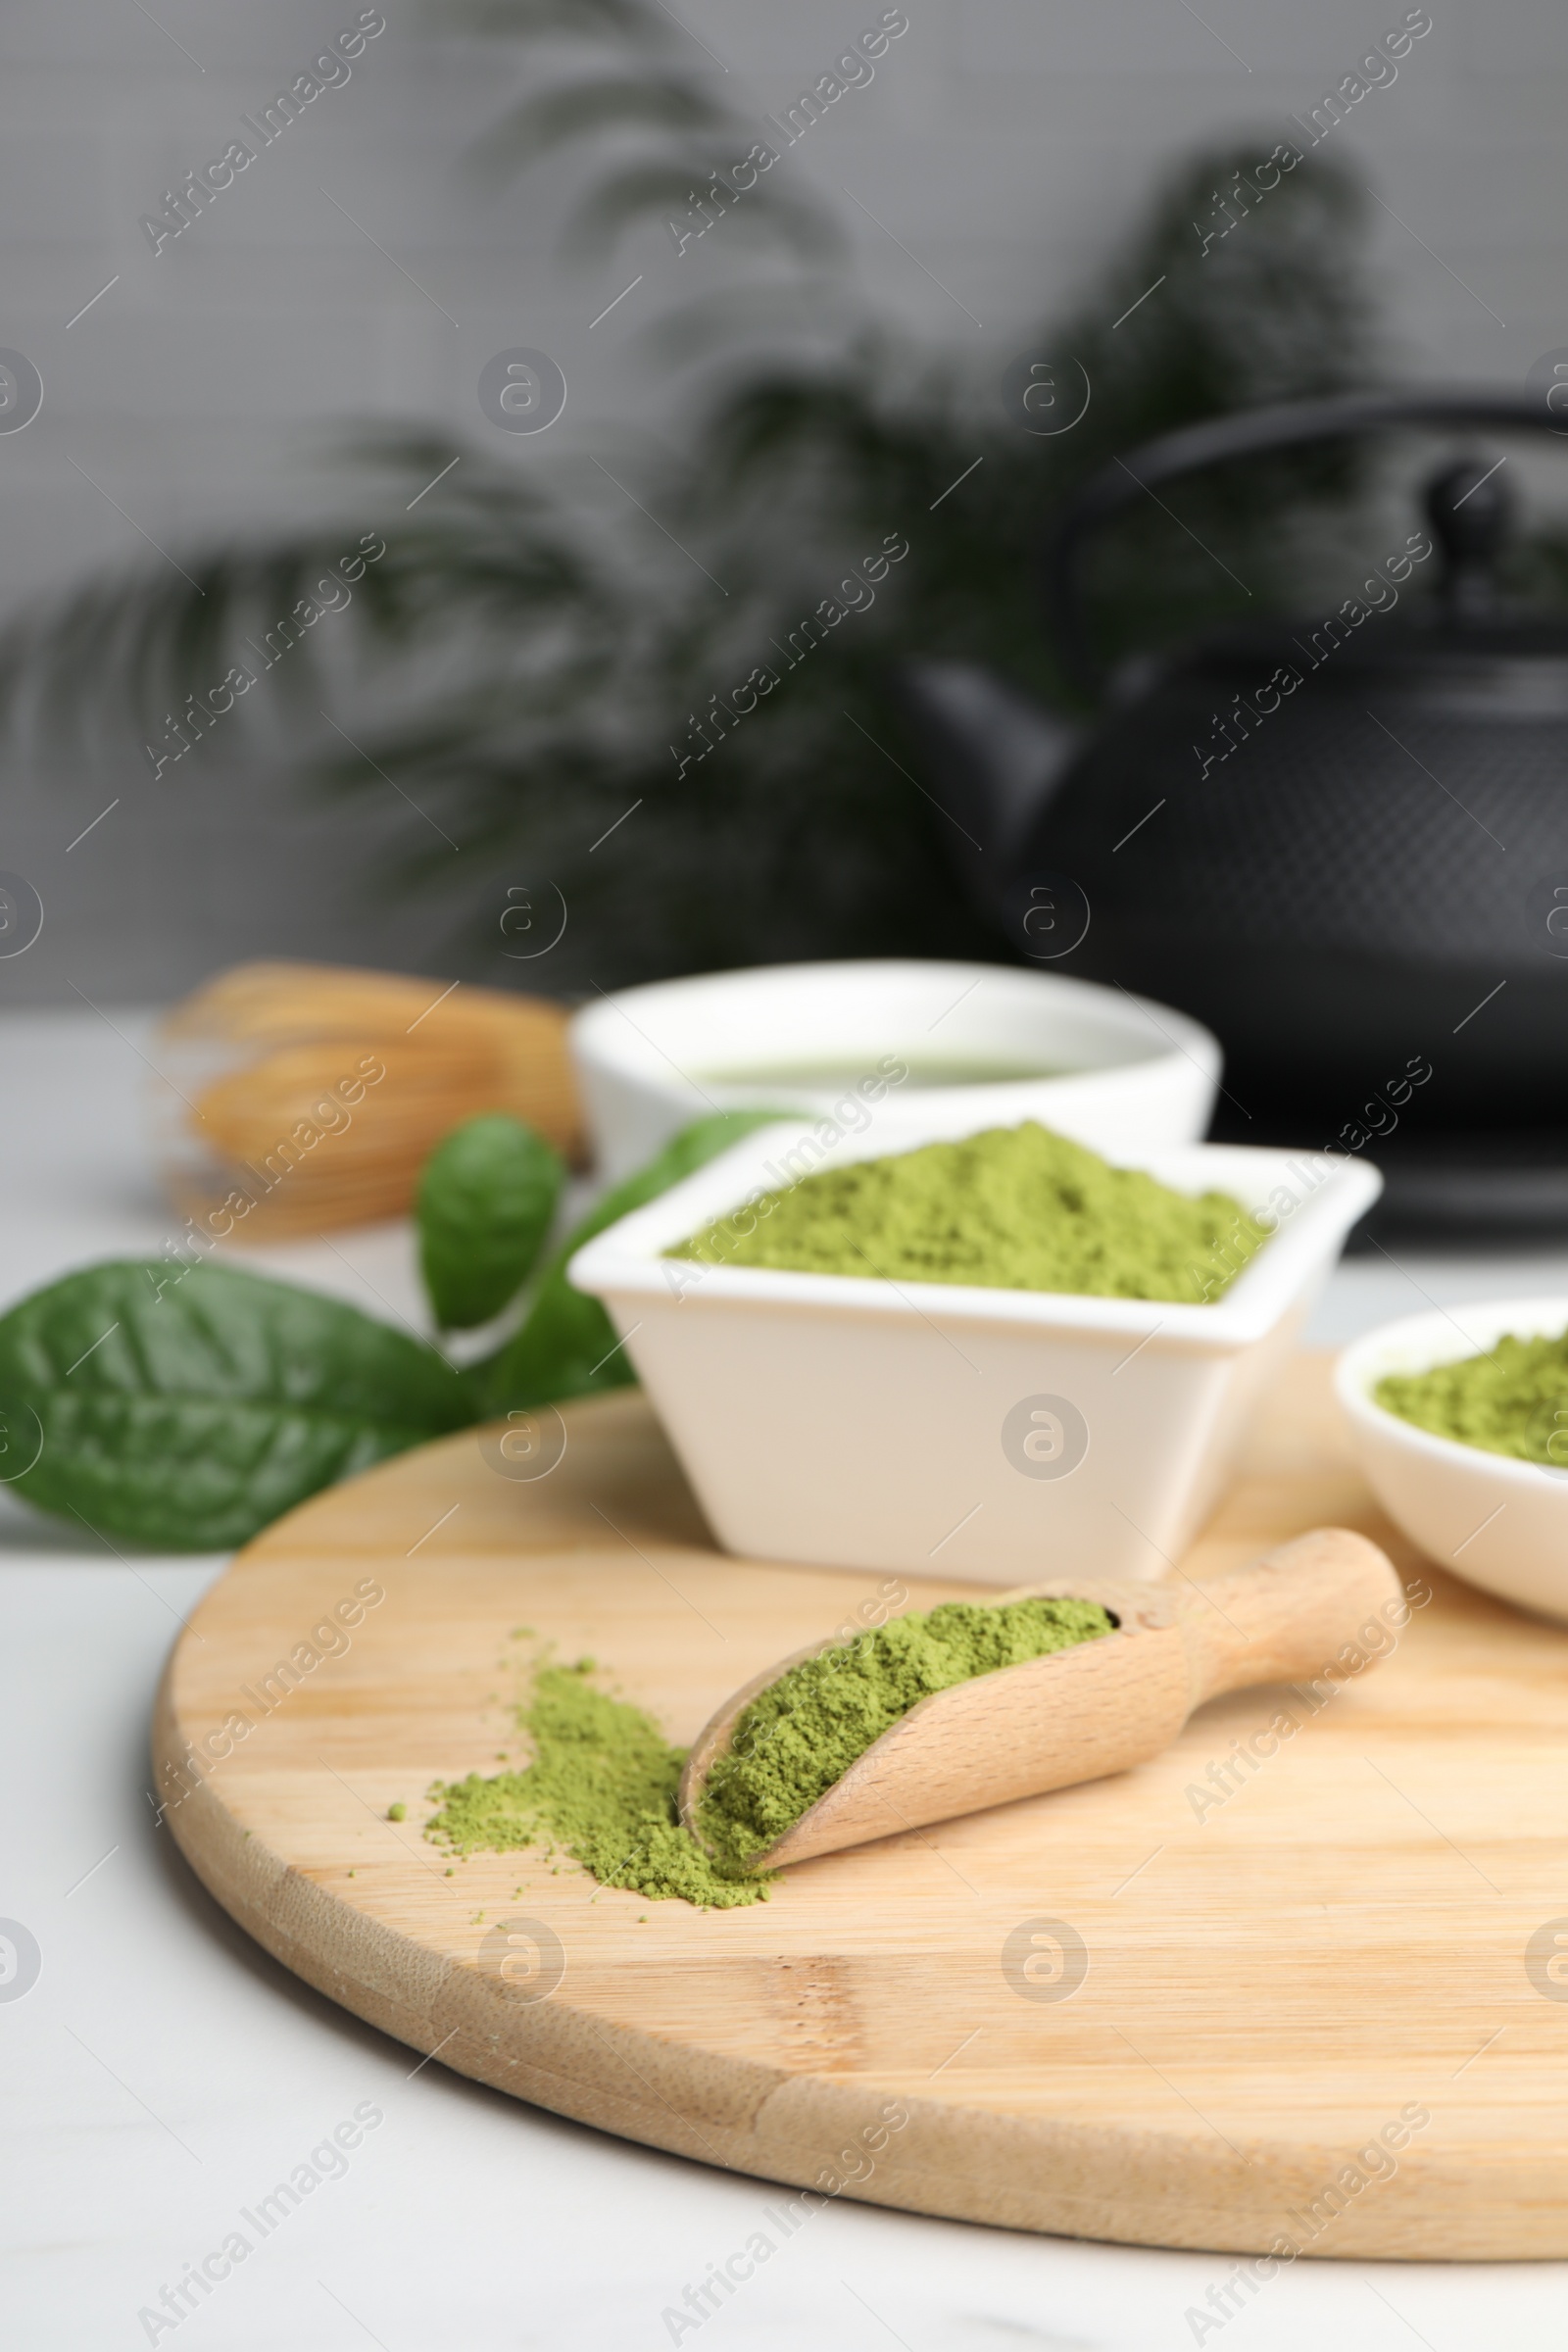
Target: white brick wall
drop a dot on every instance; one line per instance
(1006, 141)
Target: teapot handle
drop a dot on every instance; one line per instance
(1249, 433)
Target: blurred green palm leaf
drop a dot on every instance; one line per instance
(560, 655)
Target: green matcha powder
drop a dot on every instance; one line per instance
(804, 1731)
(1017, 1208)
(602, 1788)
(602, 1784)
(1513, 1401)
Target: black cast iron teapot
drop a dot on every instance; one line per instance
(1341, 841)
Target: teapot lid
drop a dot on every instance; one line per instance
(1461, 633)
(1467, 626)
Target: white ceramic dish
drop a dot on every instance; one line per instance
(1499, 1523)
(1130, 1075)
(998, 1436)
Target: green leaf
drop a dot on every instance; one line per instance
(189, 1406)
(568, 1347)
(486, 1198)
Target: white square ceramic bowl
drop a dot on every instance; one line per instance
(1500, 1523)
(997, 1436)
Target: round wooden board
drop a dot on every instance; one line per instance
(1276, 1981)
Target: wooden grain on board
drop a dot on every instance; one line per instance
(1301, 1990)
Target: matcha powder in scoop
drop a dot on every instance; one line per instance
(804, 1731)
(1017, 1208)
(602, 1784)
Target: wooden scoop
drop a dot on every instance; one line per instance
(1326, 1605)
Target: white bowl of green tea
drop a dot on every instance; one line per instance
(1460, 1421)
(988, 1044)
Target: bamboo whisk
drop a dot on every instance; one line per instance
(280, 1061)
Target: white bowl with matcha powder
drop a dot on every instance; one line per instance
(883, 1036)
(960, 1427)
(1498, 1518)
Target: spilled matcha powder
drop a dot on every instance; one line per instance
(1513, 1401)
(602, 1786)
(1017, 1208)
(804, 1731)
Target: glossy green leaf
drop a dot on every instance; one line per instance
(486, 1198)
(568, 1345)
(189, 1406)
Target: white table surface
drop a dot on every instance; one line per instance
(164, 2072)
